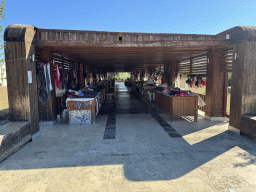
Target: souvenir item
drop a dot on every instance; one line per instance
(78, 105)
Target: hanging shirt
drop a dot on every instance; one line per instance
(42, 83)
(45, 76)
(57, 75)
(50, 82)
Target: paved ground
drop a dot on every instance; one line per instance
(133, 147)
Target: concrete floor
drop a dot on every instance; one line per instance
(143, 156)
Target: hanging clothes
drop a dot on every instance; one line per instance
(46, 80)
(60, 79)
(57, 75)
(42, 94)
(50, 81)
(202, 83)
(47, 77)
(63, 79)
(162, 79)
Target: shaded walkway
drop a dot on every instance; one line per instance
(141, 155)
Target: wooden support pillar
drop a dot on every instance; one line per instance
(21, 74)
(94, 73)
(53, 101)
(243, 88)
(167, 73)
(82, 75)
(51, 108)
(173, 73)
(214, 88)
(142, 71)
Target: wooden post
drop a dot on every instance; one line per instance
(51, 105)
(214, 88)
(243, 91)
(173, 73)
(82, 75)
(53, 101)
(166, 73)
(21, 74)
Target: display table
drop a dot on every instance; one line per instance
(84, 110)
(178, 106)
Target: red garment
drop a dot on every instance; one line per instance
(182, 93)
(60, 79)
(162, 80)
(57, 75)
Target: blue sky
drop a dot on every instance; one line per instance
(162, 16)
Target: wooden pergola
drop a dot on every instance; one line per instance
(101, 52)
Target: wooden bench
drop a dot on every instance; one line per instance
(12, 136)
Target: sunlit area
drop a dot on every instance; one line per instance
(125, 96)
(204, 134)
(122, 76)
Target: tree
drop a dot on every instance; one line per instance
(2, 12)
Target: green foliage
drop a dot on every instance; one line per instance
(122, 76)
(229, 75)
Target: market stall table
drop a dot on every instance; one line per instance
(178, 106)
(84, 110)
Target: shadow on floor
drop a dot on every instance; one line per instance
(146, 153)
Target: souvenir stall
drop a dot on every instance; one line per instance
(178, 106)
(179, 102)
(67, 76)
(84, 105)
(61, 85)
(83, 110)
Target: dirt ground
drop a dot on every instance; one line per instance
(4, 106)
